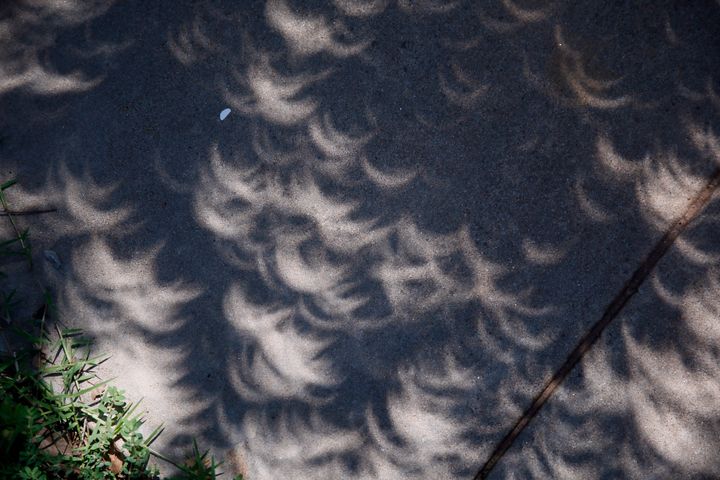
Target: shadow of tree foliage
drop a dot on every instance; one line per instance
(412, 213)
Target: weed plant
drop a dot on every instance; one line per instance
(58, 420)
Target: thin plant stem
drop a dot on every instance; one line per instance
(25, 248)
(8, 213)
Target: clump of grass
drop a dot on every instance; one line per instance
(21, 237)
(58, 420)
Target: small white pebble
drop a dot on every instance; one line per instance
(224, 114)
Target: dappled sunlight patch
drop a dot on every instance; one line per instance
(42, 81)
(414, 279)
(311, 250)
(422, 416)
(522, 13)
(527, 14)
(614, 163)
(655, 404)
(705, 140)
(665, 188)
(487, 276)
(460, 88)
(277, 98)
(233, 198)
(82, 198)
(543, 254)
(307, 272)
(600, 384)
(673, 403)
(28, 30)
(65, 12)
(124, 306)
(337, 227)
(664, 182)
(220, 184)
(279, 362)
(361, 8)
(607, 411)
(311, 34)
(297, 444)
(702, 309)
(305, 268)
(387, 179)
(545, 462)
(295, 150)
(333, 143)
(695, 253)
(191, 44)
(83, 205)
(426, 437)
(591, 207)
(572, 78)
(127, 291)
(425, 271)
(155, 374)
(425, 7)
(688, 385)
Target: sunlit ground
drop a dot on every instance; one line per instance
(411, 215)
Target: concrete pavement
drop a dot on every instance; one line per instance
(412, 213)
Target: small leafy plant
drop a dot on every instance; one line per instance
(58, 420)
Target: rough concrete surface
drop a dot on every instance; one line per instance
(412, 213)
(644, 402)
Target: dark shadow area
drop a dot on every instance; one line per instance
(411, 215)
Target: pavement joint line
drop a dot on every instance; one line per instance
(692, 211)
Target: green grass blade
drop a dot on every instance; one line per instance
(8, 184)
(85, 390)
